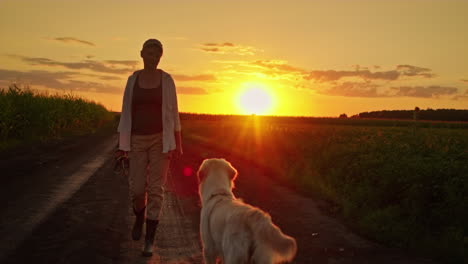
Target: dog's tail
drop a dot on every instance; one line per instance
(283, 247)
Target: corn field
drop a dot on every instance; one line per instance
(29, 115)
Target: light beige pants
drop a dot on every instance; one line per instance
(147, 173)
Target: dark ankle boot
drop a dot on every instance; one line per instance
(151, 226)
(138, 225)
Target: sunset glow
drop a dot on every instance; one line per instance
(322, 58)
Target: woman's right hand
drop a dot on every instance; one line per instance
(120, 153)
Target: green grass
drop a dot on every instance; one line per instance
(31, 116)
(405, 186)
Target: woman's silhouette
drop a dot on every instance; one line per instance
(150, 132)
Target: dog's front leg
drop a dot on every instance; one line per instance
(209, 247)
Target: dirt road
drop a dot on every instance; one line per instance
(54, 216)
(65, 205)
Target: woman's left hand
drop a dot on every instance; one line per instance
(175, 153)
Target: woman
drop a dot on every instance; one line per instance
(150, 132)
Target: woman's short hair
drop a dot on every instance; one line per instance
(151, 42)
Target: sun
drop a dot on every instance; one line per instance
(255, 99)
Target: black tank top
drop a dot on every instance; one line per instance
(147, 109)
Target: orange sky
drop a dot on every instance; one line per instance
(307, 58)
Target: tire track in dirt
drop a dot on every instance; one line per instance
(16, 224)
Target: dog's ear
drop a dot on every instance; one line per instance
(232, 172)
(203, 170)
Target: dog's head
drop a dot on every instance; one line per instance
(212, 165)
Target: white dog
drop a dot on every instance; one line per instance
(236, 232)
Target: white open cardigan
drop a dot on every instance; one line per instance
(170, 113)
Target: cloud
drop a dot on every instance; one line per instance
(69, 80)
(432, 91)
(72, 40)
(225, 44)
(267, 69)
(369, 89)
(332, 83)
(281, 67)
(228, 48)
(353, 89)
(409, 70)
(391, 75)
(106, 77)
(277, 69)
(333, 75)
(107, 66)
(200, 77)
(96, 87)
(130, 63)
(101, 77)
(358, 67)
(211, 49)
(61, 81)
